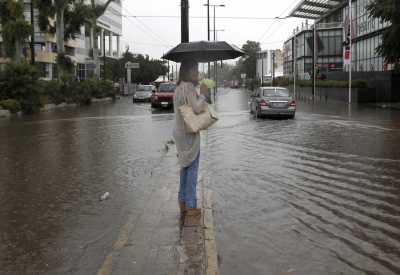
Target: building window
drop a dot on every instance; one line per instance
(81, 71)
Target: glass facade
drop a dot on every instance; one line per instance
(329, 51)
(366, 37)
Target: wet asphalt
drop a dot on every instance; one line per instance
(315, 195)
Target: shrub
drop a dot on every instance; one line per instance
(107, 89)
(20, 82)
(11, 104)
(282, 81)
(53, 90)
(322, 83)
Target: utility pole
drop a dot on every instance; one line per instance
(350, 45)
(104, 56)
(184, 21)
(168, 72)
(32, 44)
(294, 65)
(314, 59)
(208, 33)
(262, 69)
(215, 62)
(273, 68)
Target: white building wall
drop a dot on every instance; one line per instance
(264, 64)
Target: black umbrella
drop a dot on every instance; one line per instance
(203, 51)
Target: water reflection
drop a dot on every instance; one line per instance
(314, 195)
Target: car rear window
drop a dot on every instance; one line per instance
(167, 88)
(146, 88)
(275, 92)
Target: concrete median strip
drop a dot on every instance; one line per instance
(210, 245)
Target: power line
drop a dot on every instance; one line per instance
(271, 25)
(149, 30)
(202, 17)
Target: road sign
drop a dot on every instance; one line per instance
(131, 65)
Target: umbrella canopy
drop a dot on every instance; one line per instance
(203, 51)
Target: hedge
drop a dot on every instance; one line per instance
(284, 82)
(11, 105)
(20, 83)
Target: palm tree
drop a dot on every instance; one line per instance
(69, 16)
(15, 30)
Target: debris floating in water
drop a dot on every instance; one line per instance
(105, 196)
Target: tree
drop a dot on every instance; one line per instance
(249, 62)
(388, 11)
(150, 69)
(15, 30)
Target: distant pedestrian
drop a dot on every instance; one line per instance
(188, 144)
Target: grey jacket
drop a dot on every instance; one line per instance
(187, 144)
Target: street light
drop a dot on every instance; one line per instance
(208, 5)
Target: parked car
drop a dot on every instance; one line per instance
(143, 93)
(164, 96)
(272, 101)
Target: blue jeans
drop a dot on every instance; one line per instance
(188, 184)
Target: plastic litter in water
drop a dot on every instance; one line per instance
(105, 196)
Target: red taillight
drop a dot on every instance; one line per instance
(263, 103)
(292, 104)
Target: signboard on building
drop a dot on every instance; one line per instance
(131, 65)
(346, 56)
(243, 76)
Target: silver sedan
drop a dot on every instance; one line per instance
(143, 93)
(272, 101)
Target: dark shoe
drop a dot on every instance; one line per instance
(182, 208)
(193, 217)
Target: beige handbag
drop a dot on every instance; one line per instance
(197, 122)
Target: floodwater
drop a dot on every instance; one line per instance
(316, 195)
(54, 167)
(319, 194)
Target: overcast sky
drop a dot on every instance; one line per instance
(155, 35)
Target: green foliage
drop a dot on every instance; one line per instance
(14, 27)
(253, 84)
(249, 61)
(388, 11)
(150, 69)
(20, 82)
(282, 81)
(285, 82)
(11, 104)
(71, 91)
(65, 63)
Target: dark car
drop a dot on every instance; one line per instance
(164, 96)
(272, 101)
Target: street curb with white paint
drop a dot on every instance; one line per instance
(210, 245)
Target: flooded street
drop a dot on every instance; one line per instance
(316, 195)
(319, 194)
(55, 167)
